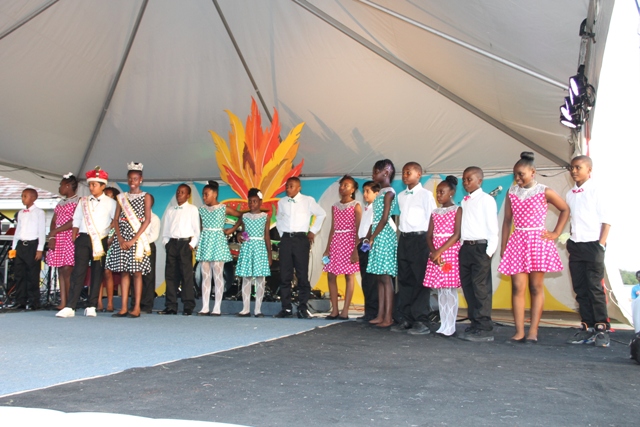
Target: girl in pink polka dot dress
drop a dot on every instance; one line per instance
(443, 269)
(530, 251)
(342, 248)
(61, 249)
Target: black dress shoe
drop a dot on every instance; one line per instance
(283, 314)
(133, 316)
(168, 311)
(243, 315)
(304, 314)
(30, 307)
(187, 312)
(332, 317)
(401, 327)
(120, 315)
(259, 315)
(16, 306)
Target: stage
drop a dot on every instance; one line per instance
(276, 372)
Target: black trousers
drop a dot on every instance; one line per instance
(82, 259)
(178, 271)
(477, 286)
(294, 253)
(149, 283)
(369, 286)
(586, 266)
(26, 271)
(413, 298)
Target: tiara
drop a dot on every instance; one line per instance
(259, 194)
(67, 175)
(135, 166)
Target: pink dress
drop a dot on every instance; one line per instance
(448, 274)
(526, 250)
(344, 240)
(64, 251)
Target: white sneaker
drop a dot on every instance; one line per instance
(90, 312)
(66, 312)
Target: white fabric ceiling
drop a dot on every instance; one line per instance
(183, 71)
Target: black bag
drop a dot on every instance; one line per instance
(634, 345)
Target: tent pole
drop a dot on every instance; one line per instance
(466, 45)
(112, 89)
(428, 82)
(244, 63)
(27, 19)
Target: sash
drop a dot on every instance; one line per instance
(96, 239)
(142, 247)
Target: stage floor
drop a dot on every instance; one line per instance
(274, 372)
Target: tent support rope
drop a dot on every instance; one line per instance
(428, 82)
(112, 89)
(27, 19)
(244, 63)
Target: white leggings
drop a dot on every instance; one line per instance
(218, 279)
(448, 306)
(246, 294)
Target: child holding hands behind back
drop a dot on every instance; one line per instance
(342, 248)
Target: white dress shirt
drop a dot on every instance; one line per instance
(153, 230)
(104, 209)
(30, 227)
(365, 221)
(294, 215)
(480, 219)
(415, 206)
(181, 222)
(588, 212)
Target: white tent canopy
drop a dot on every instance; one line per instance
(87, 82)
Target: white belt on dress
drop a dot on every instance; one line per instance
(529, 229)
(256, 238)
(344, 231)
(212, 229)
(443, 235)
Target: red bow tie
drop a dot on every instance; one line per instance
(579, 190)
(26, 210)
(465, 198)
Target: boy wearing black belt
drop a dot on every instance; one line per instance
(479, 235)
(416, 204)
(28, 243)
(292, 220)
(180, 236)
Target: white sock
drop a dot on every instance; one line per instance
(448, 305)
(260, 282)
(246, 295)
(206, 286)
(218, 280)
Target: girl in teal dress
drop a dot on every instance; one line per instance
(213, 249)
(384, 242)
(254, 261)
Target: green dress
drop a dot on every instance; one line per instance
(213, 245)
(383, 254)
(253, 260)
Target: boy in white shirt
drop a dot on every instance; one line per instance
(91, 223)
(28, 243)
(293, 218)
(416, 204)
(370, 191)
(149, 280)
(479, 235)
(590, 223)
(180, 237)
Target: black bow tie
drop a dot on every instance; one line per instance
(94, 199)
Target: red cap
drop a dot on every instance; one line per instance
(97, 175)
